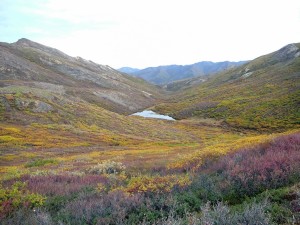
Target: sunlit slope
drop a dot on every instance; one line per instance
(263, 94)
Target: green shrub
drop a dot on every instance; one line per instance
(27, 216)
(41, 162)
(16, 197)
(254, 213)
(54, 204)
(279, 213)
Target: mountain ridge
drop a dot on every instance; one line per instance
(28, 61)
(71, 154)
(162, 75)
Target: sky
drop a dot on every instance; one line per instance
(144, 33)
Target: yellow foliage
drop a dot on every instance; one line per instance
(156, 184)
(13, 129)
(193, 161)
(11, 172)
(101, 187)
(8, 138)
(8, 157)
(18, 195)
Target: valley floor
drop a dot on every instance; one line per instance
(53, 166)
(77, 148)
(70, 154)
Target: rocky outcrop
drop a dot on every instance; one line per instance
(288, 52)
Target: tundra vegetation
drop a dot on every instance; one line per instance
(231, 157)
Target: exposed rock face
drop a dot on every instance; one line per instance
(288, 52)
(33, 105)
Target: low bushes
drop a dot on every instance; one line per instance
(18, 196)
(230, 190)
(41, 162)
(107, 167)
(63, 184)
(156, 184)
(221, 214)
(267, 166)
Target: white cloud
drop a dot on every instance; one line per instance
(148, 33)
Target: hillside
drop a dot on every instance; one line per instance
(162, 75)
(261, 94)
(71, 154)
(29, 64)
(49, 100)
(180, 85)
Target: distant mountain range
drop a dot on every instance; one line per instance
(162, 75)
(260, 94)
(128, 70)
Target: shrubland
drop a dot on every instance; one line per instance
(71, 154)
(254, 184)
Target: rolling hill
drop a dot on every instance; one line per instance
(70, 153)
(26, 63)
(261, 94)
(48, 96)
(163, 75)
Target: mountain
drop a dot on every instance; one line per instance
(51, 100)
(261, 94)
(71, 154)
(128, 70)
(162, 75)
(27, 63)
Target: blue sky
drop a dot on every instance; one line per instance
(143, 33)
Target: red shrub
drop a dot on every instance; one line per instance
(265, 166)
(107, 209)
(6, 208)
(59, 184)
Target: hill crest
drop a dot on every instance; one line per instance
(25, 62)
(162, 75)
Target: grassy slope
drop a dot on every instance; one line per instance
(75, 128)
(75, 135)
(78, 127)
(263, 94)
